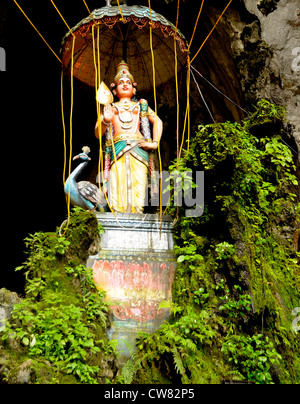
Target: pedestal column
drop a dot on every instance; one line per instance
(136, 267)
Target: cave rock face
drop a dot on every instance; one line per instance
(279, 28)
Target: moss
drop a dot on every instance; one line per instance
(242, 297)
(82, 231)
(236, 284)
(60, 325)
(44, 373)
(252, 63)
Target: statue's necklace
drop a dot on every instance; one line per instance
(125, 112)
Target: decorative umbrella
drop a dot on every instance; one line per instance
(129, 40)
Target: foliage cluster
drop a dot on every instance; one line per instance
(238, 277)
(236, 284)
(252, 355)
(62, 319)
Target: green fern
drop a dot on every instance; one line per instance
(179, 366)
(234, 375)
(127, 374)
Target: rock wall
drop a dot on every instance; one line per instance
(274, 37)
(253, 53)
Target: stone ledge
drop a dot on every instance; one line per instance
(136, 232)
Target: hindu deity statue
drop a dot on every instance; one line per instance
(129, 141)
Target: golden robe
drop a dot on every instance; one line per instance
(128, 177)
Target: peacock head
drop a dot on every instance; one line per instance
(83, 156)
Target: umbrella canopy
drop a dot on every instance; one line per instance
(128, 40)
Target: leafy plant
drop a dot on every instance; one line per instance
(252, 356)
(180, 341)
(236, 308)
(227, 293)
(179, 186)
(127, 373)
(201, 297)
(61, 246)
(63, 317)
(190, 256)
(224, 250)
(42, 249)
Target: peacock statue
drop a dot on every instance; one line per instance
(84, 193)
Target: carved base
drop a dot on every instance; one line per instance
(136, 267)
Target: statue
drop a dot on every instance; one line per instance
(84, 193)
(129, 141)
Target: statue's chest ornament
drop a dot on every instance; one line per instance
(125, 112)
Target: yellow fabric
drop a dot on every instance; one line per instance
(127, 193)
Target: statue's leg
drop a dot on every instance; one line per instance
(128, 182)
(118, 195)
(139, 175)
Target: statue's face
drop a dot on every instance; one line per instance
(124, 88)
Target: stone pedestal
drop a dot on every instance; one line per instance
(136, 267)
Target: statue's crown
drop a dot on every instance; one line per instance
(122, 70)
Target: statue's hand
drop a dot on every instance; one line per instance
(148, 146)
(108, 113)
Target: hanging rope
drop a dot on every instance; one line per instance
(203, 99)
(89, 11)
(220, 92)
(177, 98)
(188, 100)
(214, 27)
(68, 198)
(97, 85)
(64, 125)
(187, 114)
(100, 162)
(199, 14)
(122, 17)
(155, 101)
(71, 126)
(37, 31)
(62, 17)
(98, 106)
(176, 79)
(187, 120)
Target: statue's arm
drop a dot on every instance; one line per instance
(157, 131)
(157, 126)
(106, 118)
